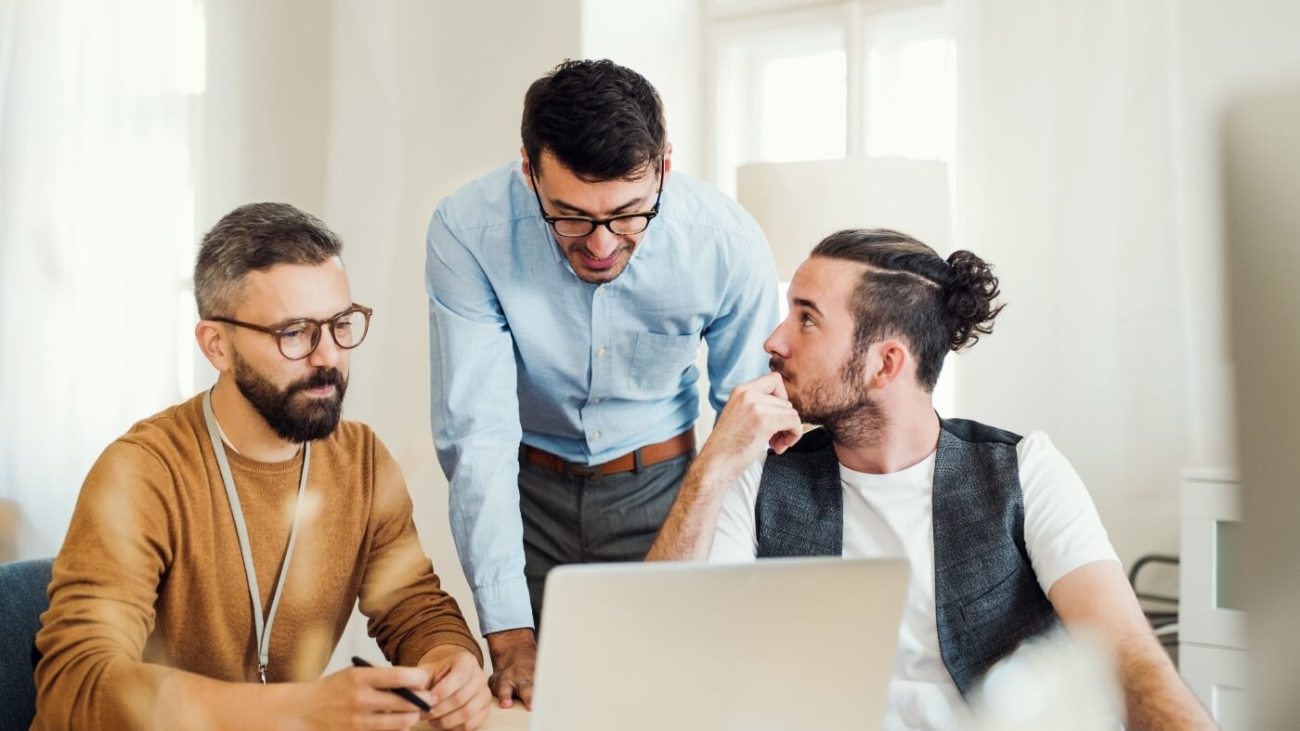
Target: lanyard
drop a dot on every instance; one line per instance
(262, 630)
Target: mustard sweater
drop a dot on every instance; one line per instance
(150, 579)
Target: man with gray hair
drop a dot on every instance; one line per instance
(218, 547)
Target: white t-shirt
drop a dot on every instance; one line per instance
(889, 516)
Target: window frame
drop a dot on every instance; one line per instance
(730, 22)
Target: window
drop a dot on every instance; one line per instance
(908, 90)
(96, 238)
(798, 81)
(856, 78)
(783, 96)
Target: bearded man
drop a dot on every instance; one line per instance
(218, 547)
(1003, 540)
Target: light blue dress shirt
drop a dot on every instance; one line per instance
(522, 350)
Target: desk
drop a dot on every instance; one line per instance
(500, 719)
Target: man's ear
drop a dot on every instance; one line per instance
(668, 160)
(891, 359)
(214, 344)
(526, 165)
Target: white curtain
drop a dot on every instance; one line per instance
(97, 237)
(1064, 178)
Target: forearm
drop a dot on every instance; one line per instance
(757, 416)
(1156, 699)
(76, 688)
(509, 641)
(687, 532)
(139, 696)
(189, 702)
(1098, 599)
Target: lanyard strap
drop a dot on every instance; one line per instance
(262, 630)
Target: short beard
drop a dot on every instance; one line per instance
(862, 425)
(575, 262)
(293, 422)
(842, 407)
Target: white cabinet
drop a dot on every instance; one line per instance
(1211, 620)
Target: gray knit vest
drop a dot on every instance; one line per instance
(987, 598)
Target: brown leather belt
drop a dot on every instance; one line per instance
(650, 454)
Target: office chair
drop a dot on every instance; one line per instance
(23, 598)
(1161, 610)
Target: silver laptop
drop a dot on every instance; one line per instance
(789, 644)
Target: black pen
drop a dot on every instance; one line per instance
(403, 692)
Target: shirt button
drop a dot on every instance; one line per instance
(596, 400)
(600, 352)
(600, 291)
(595, 435)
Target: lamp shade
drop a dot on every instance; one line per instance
(800, 203)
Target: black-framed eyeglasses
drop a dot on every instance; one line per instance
(298, 338)
(624, 224)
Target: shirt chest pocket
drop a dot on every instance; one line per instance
(658, 360)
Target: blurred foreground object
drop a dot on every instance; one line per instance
(1060, 682)
(1261, 177)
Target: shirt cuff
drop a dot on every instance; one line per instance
(503, 606)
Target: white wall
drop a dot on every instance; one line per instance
(1063, 179)
(264, 114)
(663, 41)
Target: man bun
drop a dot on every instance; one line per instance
(968, 299)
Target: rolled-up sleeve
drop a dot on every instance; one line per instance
(748, 313)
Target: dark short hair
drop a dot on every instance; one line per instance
(601, 120)
(908, 291)
(256, 237)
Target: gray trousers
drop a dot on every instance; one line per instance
(591, 519)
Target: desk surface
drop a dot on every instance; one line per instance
(500, 719)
